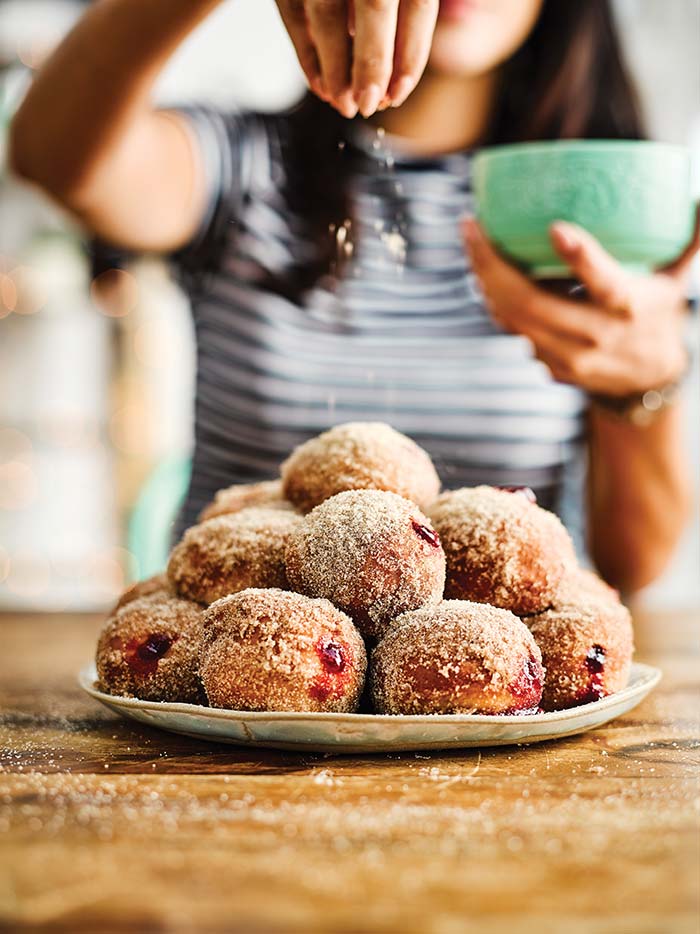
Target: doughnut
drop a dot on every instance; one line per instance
(371, 553)
(277, 650)
(358, 456)
(580, 585)
(150, 649)
(230, 553)
(156, 587)
(232, 499)
(456, 657)
(586, 650)
(501, 548)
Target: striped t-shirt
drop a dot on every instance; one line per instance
(397, 331)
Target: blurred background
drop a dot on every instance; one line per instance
(96, 363)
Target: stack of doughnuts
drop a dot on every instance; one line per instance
(352, 570)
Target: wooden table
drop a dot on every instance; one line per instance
(107, 826)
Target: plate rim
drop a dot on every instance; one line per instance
(648, 677)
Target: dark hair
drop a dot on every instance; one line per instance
(568, 80)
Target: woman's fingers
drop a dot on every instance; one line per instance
(328, 25)
(680, 266)
(583, 344)
(373, 51)
(361, 54)
(295, 22)
(351, 17)
(558, 354)
(414, 36)
(520, 305)
(581, 322)
(569, 361)
(486, 260)
(606, 281)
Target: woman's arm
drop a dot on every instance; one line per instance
(640, 495)
(626, 339)
(88, 135)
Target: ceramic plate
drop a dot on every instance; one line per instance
(368, 733)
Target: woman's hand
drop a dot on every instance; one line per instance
(361, 55)
(625, 337)
(88, 134)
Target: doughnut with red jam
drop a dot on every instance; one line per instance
(150, 649)
(371, 553)
(277, 650)
(456, 657)
(587, 649)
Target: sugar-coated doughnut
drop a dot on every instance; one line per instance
(456, 657)
(501, 548)
(156, 587)
(277, 650)
(371, 553)
(231, 553)
(150, 649)
(358, 456)
(579, 586)
(586, 649)
(232, 499)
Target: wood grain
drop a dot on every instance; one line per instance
(106, 826)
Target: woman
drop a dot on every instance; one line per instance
(389, 316)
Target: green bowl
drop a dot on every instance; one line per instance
(633, 196)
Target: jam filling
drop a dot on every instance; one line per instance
(332, 656)
(427, 534)
(334, 662)
(595, 659)
(595, 664)
(528, 687)
(320, 691)
(143, 655)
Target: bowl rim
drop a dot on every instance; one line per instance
(556, 146)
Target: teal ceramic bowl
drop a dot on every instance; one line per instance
(634, 196)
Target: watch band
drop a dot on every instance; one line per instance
(641, 408)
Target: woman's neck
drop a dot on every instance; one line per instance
(445, 113)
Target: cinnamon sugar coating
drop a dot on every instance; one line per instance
(501, 548)
(456, 657)
(232, 499)
(278, 650)
(232, 552)
(587, 649)
(580, 586)
(156, 587)
(358, 456)
(150, 649)
(373, 554)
